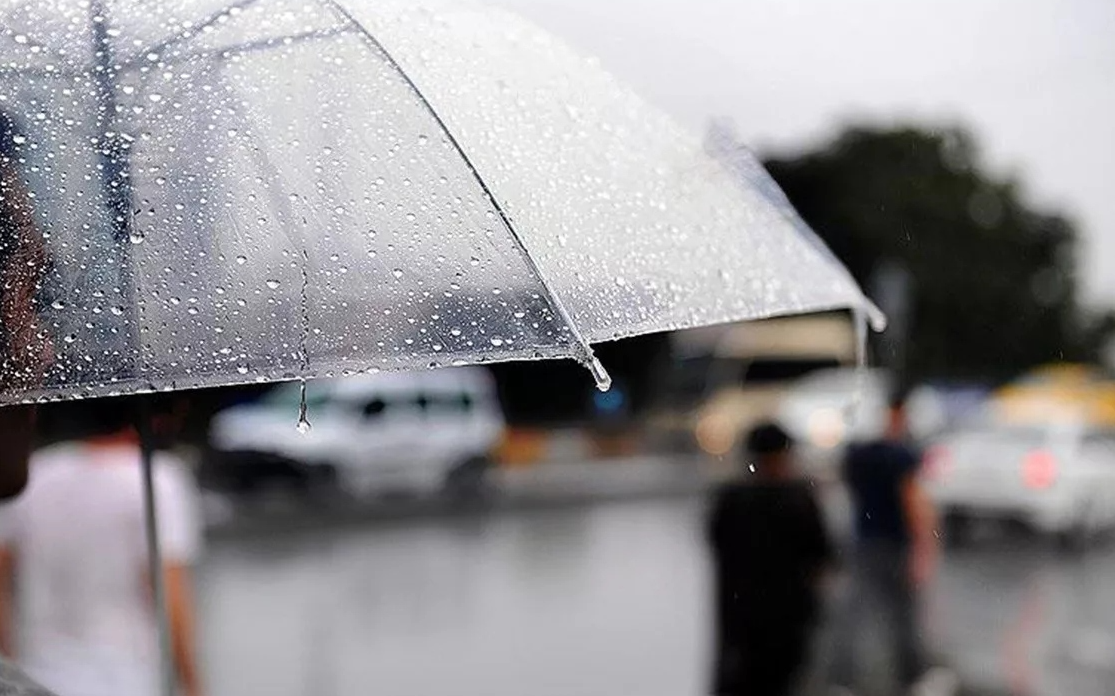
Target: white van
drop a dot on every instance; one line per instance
(755, 365)
(406, 431)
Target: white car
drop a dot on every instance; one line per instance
(1056, 478)
(827, 409)
(407, 431)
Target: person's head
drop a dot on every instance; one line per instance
(165, 413)
(769, 448)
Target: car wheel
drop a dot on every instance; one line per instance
(468, 479)
(958, 529)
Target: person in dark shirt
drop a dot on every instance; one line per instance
(24, 353)
(770, 549)
(894, 551)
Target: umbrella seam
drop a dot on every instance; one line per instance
(586, 356)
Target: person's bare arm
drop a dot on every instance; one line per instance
(7, 601)
(180, 606)
(922, 519)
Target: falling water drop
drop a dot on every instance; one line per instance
(304, 425)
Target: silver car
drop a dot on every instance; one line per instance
(1056, 478)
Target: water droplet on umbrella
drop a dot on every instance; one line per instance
(273, 284)
(136, 236)
(423, 139)
(241, 260)
(496, 341)
(58, 304)
(242, 369)
(117, 310)
(474, 261)
(398, 273)
(70, 338)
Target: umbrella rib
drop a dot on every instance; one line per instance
(586, 356)
(194, 29)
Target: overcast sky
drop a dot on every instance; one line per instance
(1034, 79)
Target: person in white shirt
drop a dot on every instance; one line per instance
(73, 545)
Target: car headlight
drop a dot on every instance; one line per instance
(715, 436)
(826, 428)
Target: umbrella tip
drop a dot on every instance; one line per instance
(603, 379)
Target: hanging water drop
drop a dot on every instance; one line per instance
(304, 424)
(599, 373)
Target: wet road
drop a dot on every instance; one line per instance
(602, 599)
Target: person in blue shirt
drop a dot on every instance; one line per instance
(893, 555)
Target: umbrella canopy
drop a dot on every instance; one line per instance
(228, 192)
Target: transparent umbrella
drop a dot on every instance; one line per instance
(273, 189)
(212, 192)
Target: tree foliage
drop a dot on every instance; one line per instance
(995, 287)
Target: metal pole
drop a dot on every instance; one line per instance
(168, 679)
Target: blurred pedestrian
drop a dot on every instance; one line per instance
(73, 546)
(24, 351)
(770, 550)
(894, 555)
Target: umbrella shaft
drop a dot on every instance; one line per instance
(154, 555)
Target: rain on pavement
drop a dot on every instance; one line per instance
(605, 598)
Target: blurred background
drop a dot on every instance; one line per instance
(512, 530)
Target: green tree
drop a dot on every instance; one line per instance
(995, 286)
